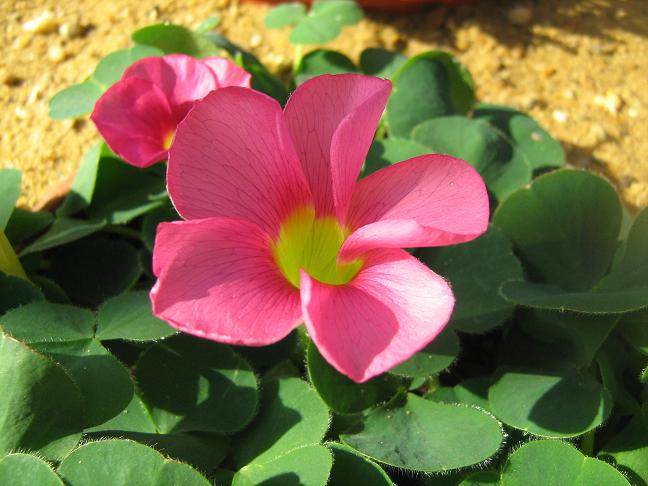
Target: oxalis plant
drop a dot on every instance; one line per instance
(477, 317)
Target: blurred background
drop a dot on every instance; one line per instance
(580, 67)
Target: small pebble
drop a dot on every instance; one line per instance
(69, 30)
(560, 116)
(56, 54)
(21, 113)
(569, 94)
(612, 102)
(21, 41)
(255, 40)
(10, 79)
(44, 23)
(633, 113)
(520, 15)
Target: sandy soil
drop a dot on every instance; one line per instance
(579, 66)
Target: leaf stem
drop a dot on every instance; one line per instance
(299, 56)
(124, 231)
(9, 262)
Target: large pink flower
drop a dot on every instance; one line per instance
(278, 231)
(138, 115)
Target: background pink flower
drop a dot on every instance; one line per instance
(138, 115)
(280, 232)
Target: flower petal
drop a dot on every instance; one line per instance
(232, 157)
(227, 73)
(181, 78)
(134, 117)
(217, 280)
(431, 200)
(393, 308)
(332, 120)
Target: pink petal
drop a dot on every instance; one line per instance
(227, 73)
(181, 78)
(332, 120)
(431, 200)
(217, 280)
(232, 157)
(393, 308)
(135, 119)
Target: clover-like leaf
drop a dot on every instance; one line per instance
(634, 328)
(291, 416)
(128, 316)
(381, 63)
(324, 21)
(323, 61)
(503, 167)
(16, 291)
(564, 226)
(341, 393)
(41, 408)
(115, 462)
(628, 450)
(548, 403)
(64, 230)
(19, 469)
(307, 466)
(433, 358)
(171, 39)
(196, 385)
(421, 435)
(540, 148)
(554, 462)
(284, 14)
(384, 153)
(24, 225)
(351, 467)
(82, 189)
(476, 270)
(430, 85)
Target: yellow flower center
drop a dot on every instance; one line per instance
(168, 140)
(313, 244)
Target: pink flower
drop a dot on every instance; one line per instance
(138, 115)
(278, 231)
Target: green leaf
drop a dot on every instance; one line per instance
(429, 85)
(104, 382)
(16, 291)
(618, 367)
(476, 270)
(324, 21)
(111, 68)
(381, 63)
(420, 435)
(634, 328)
(384, 153)
(291, 415)
(170, 39)
(42, 408)
(284, 14)
(24, 225)
(583, 333)
(208, 24)
(482, 478)
(123, 192)
(503, 167)
(262, 79)
(20, 469)
(129, 316)
(472, 391)
(92, 270)
(75, 101)
(350, 467)
(166, 212)
(628, 450)
(190, 384)
(564, 227)
(556, 463)
(549, 403)
(435, 357)
(82, 189)
(539, 147)
(117, 462)
(134, 418)
(79, 99)
(341, 393)
(46, 322)
(323, 61)
(9, 193)
(305, 466)
(63, 231)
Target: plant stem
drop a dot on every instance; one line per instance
(9, 262)
(299, 56)
(124, 231)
